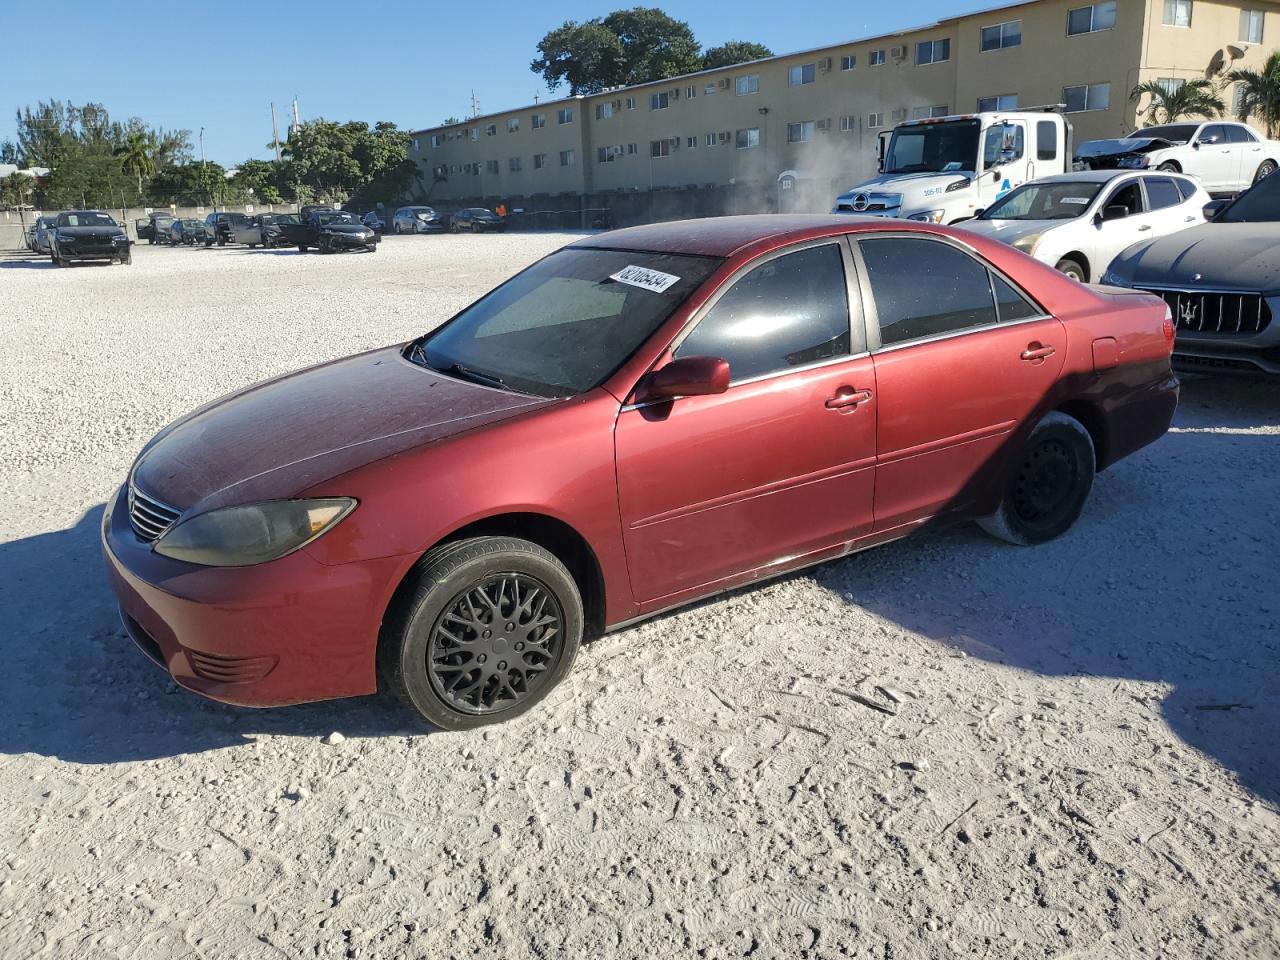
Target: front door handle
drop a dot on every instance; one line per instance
(1036, 352)
(848, 397)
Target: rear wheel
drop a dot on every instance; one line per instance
(490, 628)
(1266, 169)
(1048, 484)
(1071, 268)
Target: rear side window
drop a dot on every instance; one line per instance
(787, 312)
(1162, 192)
(1238, 134)
(926, 288)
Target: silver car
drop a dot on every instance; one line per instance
(417, 220)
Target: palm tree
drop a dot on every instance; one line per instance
(135, 157)
(1193, 98)
(1260, 93)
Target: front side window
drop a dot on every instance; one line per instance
(791, 311)
(1214, 133)
(1091, 96)
(1129, 196)
(801, 132)
(563, 325)
(800, 75)
(926, 288)
(1046, 139)
(933, 51)
(1091, 19)
(1177, 13)
(748, 138)
(1250, 26)
(1001, 35)
(747, 85)
(1004, 143)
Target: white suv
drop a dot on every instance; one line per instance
(1225, 157)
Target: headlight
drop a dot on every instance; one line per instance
(1134, 163)
(928, 216)
(1028, 243)
(255, 533)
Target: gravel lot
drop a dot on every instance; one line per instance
(943, 748)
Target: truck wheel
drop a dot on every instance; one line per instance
(1267, 168)
(1048, 484)
(1071, 268)
(491, 626)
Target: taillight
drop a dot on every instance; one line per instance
(1168, 324)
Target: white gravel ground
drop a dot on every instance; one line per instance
(945, 748)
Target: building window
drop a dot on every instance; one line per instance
(877, 58)
(631, 103)
(933, 51)
(1091, 96)
(1001, 35)
(747, 85)
(567, 158)
(747, 138)
(1250, 26)
(513, 124)
(539, 161)
(607, 154)
(709, 89)
(475, 134)
(1003, 101)
(875, 120)
(435, 140)
(631, 149)
(690, 92)
(1170, 85)
(490, 129)
(514, 164)
(848, 124)
(604, 110)
(1177, 13)
(848, 62)
(799, 76)
(1091, 19)
(801, 132)
(538, 121)
(659, 101)
(491, 166)
(662, 148)
(564, 115)
(924, 113)
(691, 142)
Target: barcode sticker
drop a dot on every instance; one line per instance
(653, 280)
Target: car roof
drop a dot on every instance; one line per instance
(1090, 176)
(725, 236)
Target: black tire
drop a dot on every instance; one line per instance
(222, 242)
(302, 248)
(127, 259)
(1048, 483)
(1072, 269)
(372, 247)
(419, 657)
(1169, 167)
(1265, 169)
(253, 246)
(151, 239)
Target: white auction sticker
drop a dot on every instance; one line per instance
(654, 280)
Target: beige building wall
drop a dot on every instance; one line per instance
(848, 102)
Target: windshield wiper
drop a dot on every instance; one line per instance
(488, 379)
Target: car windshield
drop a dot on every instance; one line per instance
(1173, 132)
(934, 148)
(480, 212)
(422, 211)
(566, 323)
(286, 218)
(1259, 204)
(1044, 201)
(85, 218)
(336, 216)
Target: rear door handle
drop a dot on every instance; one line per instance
(1147, 227)
(1036, 352)
(848, 397)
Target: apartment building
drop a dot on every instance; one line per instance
(731, 133)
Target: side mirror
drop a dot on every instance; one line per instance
(686, 377)
(979, 212)
(1214, 207)
(1116, 211)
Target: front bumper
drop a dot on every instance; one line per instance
(289, 631)
(346, 241)
(93, 251)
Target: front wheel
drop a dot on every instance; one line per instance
(302, 248)
(127, 259)
(491, 627)
(1266, 169)
(1071, 268)
(1169, 167)
(1048, 485)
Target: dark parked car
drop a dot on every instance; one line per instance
(373, 220)
(189, 233)
(154, 228)
(1221, 280)
(88, 235)
(566, 455)
(329, 231)
(417, 220)
(43, 230)
(476, 220)
(223, 225)
(271, 235)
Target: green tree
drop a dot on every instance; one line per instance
(735, 51)
(1260, 93)
(626, 47)
(335, 160)
(258, 179)
(135, 156)
(1194, 98)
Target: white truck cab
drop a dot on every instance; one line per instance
(946, 169)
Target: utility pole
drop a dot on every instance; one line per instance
(475, 105)
(204, 175)
(296, 122)
(275, 133)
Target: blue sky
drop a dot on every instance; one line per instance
(219, 65)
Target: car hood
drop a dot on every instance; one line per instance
(87, 233)
(1121, 146)
(1213, 256)
(1007, 231)
(277, 438)
(907, 182)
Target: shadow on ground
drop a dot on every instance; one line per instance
(1171, 571)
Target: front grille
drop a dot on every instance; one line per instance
(1198, 311)
(221, 669)
(149, 518)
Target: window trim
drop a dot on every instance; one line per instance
(1093, 10)
(1002, 45)
(1190, 14)
(875, 345)
(933, 45)
(853, 295)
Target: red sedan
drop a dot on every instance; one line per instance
(640, 419)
